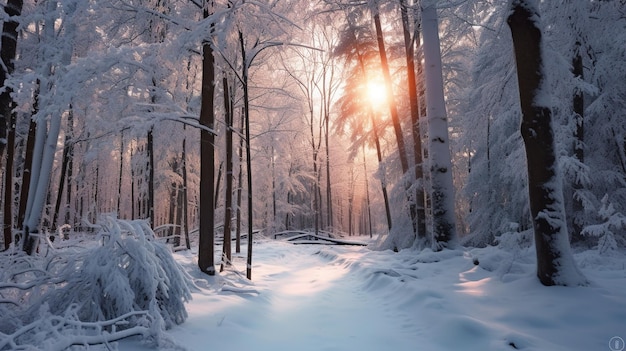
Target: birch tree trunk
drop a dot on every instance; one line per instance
(43, 153)
(555, 263)
(444, 231)
(28, 158)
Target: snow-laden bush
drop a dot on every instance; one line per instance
(607, 232)
(126, 283)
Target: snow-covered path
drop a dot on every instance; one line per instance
(304, 302)
(309, 297)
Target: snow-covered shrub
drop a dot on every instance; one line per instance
(124, 283)
(607, 232)
(128, 271)
(514, 240)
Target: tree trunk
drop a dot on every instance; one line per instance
(444, 230)
(390, 98)
(42, 172)
(217, 185)
(206, 259)
(151, 166)
(8, 183)
(179, 215)
(119, 178)
(132, 185)
(274, 196)
(8, 49)
(246, 110)
(26, 172)
(64, 164)
(228, 200)
(185, 194)
(172, 213)
(379, 154)
(394, 117)
(555, 264)
(239, 186)
(578, 105)
(329, 193)
(43, 153)
(367, 193)
(418, 203)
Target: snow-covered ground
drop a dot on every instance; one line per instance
(314, 297)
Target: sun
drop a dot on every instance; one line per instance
(376, 93)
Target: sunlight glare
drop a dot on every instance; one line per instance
(376, 94)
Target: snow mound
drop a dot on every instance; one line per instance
(126, 284)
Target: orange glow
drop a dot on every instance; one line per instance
(376, 93)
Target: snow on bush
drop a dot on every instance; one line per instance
(126, 284)
(613, 223)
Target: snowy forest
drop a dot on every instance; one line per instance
(149, 148)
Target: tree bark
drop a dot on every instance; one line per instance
(555, 264)
(390, 98)
(367, 193)
(206, 259)
(8, 50)
(64, 164)
(383, 182)
(26, 172)
(185, 194)
(217, 185)
(119, 178)
(246, 109)
(151, 166)
(228, 199)
(329, 193)
(8, 183)
(395, 118)
(578, 106)
(444, 231)
(239, 186)
(418, 203)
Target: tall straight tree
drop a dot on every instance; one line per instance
(409, 45)
(45, 146)
(206, 259)
(395, 117)
(228, 200)
(555, 263)
(8, 49)
(444, 229)
(393, 109)
(246, 113)
(355, 50)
